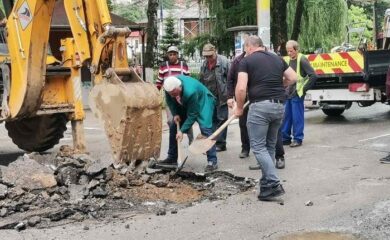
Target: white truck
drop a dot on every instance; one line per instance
(348, 76)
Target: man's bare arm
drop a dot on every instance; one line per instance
(242, 82)
(289, 77)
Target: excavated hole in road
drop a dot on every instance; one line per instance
(54, 189)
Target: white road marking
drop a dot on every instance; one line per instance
(380, 136)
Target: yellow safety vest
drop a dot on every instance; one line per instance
(301, 82)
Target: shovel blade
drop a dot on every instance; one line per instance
(201, 145)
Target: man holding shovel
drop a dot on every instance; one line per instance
(190, 102)
(263, 75)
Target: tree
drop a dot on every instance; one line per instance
(130, 11)
(279, 25)
(314, 23)
(358, 18)
(151, 31)
(168, 4)
(110, 5)
(226, 14)
(297, 20)
(171, 37)
(323, 23)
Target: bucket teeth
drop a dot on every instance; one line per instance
(131, 114)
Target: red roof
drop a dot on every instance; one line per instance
(134, 34)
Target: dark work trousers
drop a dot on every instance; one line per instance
(245, 146)
(279, 149)
(220, 116)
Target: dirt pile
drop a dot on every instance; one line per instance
(48, 190)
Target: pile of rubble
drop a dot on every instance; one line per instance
(47, 190)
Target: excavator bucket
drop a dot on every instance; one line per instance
(131, 113)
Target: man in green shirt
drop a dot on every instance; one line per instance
(190, 102)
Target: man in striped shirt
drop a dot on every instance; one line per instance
(172, 67)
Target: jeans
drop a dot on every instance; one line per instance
(264, 120)
(293, 118)
(245, 145)
(190, 133)
(220, 116)
(172, 150)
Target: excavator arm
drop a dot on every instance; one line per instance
(128, 107)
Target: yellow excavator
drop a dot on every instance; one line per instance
(40, 95)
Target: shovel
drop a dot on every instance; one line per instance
(202, 144)
(179, 150)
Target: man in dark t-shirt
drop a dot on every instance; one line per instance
(264, 75)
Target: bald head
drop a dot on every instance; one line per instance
(253, 43)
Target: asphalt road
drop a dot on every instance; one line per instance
(337, 168)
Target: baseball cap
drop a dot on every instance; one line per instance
(173, 49)
(208, 49)
(171, 83)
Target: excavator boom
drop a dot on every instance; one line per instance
(128, 106)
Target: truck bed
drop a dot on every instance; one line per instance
(338, 70)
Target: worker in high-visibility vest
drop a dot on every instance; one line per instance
(293, 122)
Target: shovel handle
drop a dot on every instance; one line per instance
(225, 124)
(179, 150)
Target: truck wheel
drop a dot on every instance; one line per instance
(37, 134)
(333, 112)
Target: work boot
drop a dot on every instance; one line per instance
(385, 160)
(280, 163)
(295, 144)
(268, 194)
(168, 161)
(255, 167)
(244, 153)
(221, 148)
(210, 167)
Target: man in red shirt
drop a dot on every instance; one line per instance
(172, 67)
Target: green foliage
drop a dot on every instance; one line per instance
(168, 4)
(110, 5)
(132, 12)
(195, 75)
(323, 23)
(171, 37)
(197, 43)
(228, 14)
(357, 17)
(381, 7)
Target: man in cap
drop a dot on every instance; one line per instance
(213, 74)
(172, 67)
(190, 102)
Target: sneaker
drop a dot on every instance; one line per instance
(168, 161)
(287, 142)
(268, 194)
(280, 163)
(295, 144)
(211, 168)
(385, 160)
(254, 167)
(221, 148)
(244, 154)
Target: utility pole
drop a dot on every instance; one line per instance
(264, 21)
